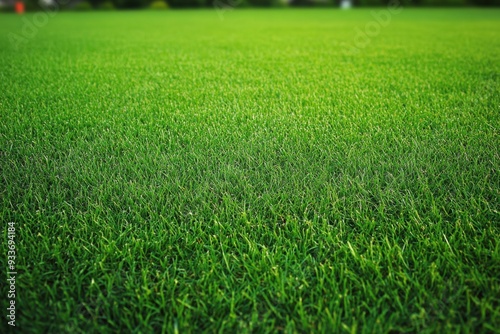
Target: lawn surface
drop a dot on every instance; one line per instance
(175, 172)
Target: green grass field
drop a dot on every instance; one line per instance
(175, 172)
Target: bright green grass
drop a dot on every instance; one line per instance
(174, 172)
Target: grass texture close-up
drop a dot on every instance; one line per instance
(262, 171)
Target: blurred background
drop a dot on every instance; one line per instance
(88, 5)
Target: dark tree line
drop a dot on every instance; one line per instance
(130, 4)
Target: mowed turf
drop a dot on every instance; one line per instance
(175, 172)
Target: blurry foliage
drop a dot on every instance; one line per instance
(96, 3)
(238, 3)
(6, 9)
(106, 5)
(30, 5)
(280, 3)
(301, 3)
(158, 4)
(260, 3)
(189, 3)
(131, 4)
(487, 2)
(33, 5)
(370, 3)
(443, 2)
(83, 6)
